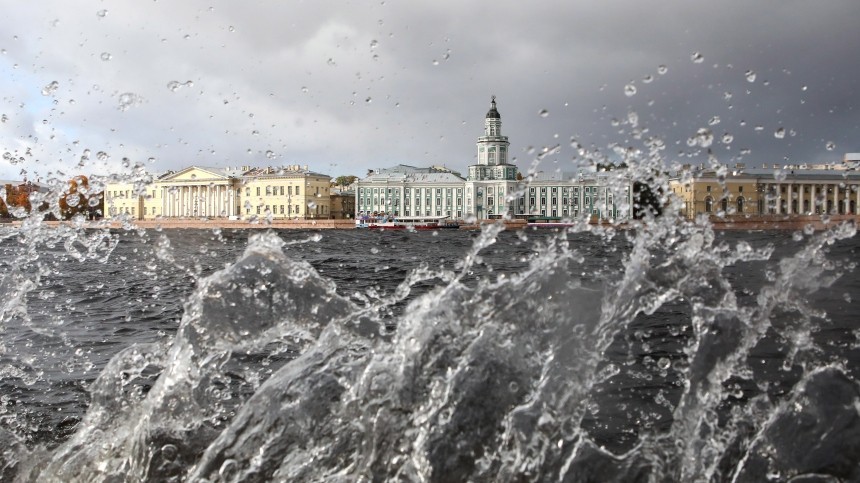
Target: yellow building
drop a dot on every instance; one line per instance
(234, 193)
(290, 192)
(780, 190)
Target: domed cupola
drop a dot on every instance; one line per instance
(493, 113)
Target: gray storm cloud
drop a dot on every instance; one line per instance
(350, 87)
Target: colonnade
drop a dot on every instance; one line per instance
(807, 200)
(198, 200)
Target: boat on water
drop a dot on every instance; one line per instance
(386, 222)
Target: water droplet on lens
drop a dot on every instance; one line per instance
(704, 138)
(373, 44)
(270, 154)
(630, 90)
(728, 138)
(102, 13)
(780, 175)
(174, 85)
(750, 75)
(663, 363)
(662, 69)
(714, 121)
(543, 113)
(106, 56)
(49, 89)
(779, 133)
(368, 100)
(697, 57)
(830, 145)
(127, 100)
(647, 79)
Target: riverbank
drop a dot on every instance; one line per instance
(733, 222)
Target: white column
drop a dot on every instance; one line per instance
(835, 206)
(802, 193)
(218, 205)
(230, 202)
(857, 200)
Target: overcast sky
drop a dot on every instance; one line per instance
(349, 86)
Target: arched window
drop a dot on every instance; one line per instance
(740, 204)
(724, 205)
(709, 204)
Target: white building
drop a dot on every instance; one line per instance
(493, 188)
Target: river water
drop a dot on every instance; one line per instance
(667, 353)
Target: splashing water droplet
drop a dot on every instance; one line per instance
(128, 100)
(704, 138)
(779, 133)
(750, 75)
(830, 146)
(630, 90)
(543, 113)
(697, 57)
(51, 88)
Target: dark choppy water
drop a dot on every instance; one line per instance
(677, 355)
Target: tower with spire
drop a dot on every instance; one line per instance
(492, 178)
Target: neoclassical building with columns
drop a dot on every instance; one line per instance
(233, 193)
(777, 190)
(493, 188)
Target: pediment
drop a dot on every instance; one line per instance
(195, 173)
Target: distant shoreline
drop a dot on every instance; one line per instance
(732, 222)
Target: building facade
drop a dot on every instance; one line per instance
(493, 188)
(780, 190)
(234, 193)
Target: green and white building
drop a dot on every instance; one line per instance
(493, 188)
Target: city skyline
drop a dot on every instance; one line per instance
(376, 84)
